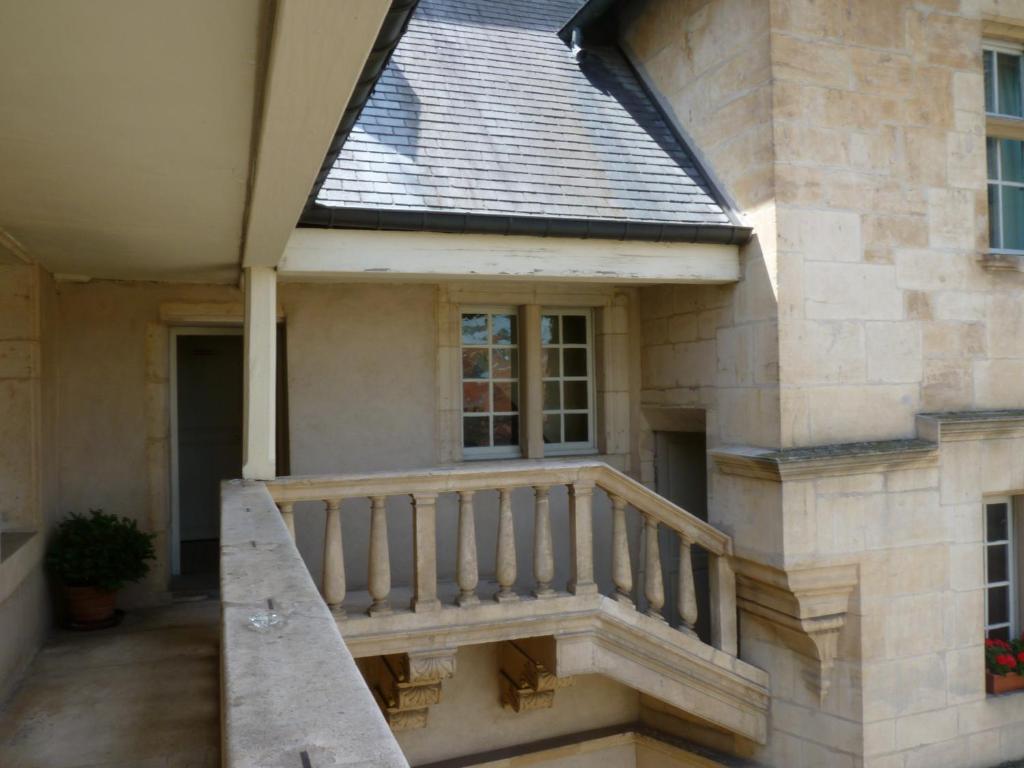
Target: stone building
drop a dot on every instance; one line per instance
(621, 382)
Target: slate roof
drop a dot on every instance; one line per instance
(483, 120)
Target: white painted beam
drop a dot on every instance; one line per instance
(317, 53)
(348, 254)
(259, 442)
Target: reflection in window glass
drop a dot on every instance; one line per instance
(1006, 194)
(490, 381)
(568, 388)
(1004, 84)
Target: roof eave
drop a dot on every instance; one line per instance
(326, 217)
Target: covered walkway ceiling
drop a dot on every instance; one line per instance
(143, 139)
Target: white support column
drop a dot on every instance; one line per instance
(259, 462)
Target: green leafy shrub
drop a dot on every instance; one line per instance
(99, 550)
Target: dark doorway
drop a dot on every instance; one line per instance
(209, 446)
(681, 476)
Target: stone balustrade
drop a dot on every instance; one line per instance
(581, 478)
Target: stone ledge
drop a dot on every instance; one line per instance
(971, 425)
(826, 460)
(1002, 262)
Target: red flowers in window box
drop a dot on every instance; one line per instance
(1004, 665)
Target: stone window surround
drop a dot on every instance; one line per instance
(611, 381)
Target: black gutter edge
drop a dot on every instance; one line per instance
(391, 30)
(325, 217)
(586, 15)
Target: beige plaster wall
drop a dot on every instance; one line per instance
(470, 718)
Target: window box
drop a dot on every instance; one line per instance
(998, 684)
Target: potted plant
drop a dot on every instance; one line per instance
(1004, 663)
(93, 556)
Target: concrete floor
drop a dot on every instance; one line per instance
(145, 694)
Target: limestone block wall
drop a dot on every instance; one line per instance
(28, 474)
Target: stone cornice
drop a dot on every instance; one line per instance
(970, 425)
(824, 461)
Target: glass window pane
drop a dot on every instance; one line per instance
(994, 239)
(503, 329)
(1012, 155)
(552, 397)
(576, 396)
(990, 88)
(475, 432)
(991, 147)
(549, 329)
(1012, 217)
(549, 363)
(576, 430)
(998, 605)
(504, 364)
(474, 363)
(997, 563)
(506, 430)
(996, 522)
(574, 361)
(474, 329)
(1003, 633)
(476, 397)
(1009, 85)
(574, 329)
(506, 396)
(552, 428)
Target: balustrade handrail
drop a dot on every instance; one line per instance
(481, 476)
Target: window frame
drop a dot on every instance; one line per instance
(1012, 569)
(483, 453)
(1001, 127)
(578, 448)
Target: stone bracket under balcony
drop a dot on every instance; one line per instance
(806, 606)
(589, 634)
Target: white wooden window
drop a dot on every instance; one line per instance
(567, 367)
(490, 382)
(1001, 620)
(1004, 106)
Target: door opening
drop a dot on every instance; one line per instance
(681, 476)
(207, 372)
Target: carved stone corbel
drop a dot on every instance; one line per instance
(807, 607)
(405, 685)
(526, 676)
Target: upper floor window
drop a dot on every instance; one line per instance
(490, 383)
(1001, 578)
(1004, 105)
(493, 379)
(1004, 80)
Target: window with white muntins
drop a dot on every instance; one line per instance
(494, 343)
(1001, 577)
(1004, 108)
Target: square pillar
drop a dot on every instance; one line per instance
(259, 441)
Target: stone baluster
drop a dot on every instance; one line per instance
(654, 588)
(505, 559)
(424, 555)
(334, 559)
(468, 572)
(622, 568)
(288, 516)
(581, 538)
(379, 577)
(687, 592)
(543, 551)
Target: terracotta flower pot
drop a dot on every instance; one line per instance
(89, 605)
(996, 684)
